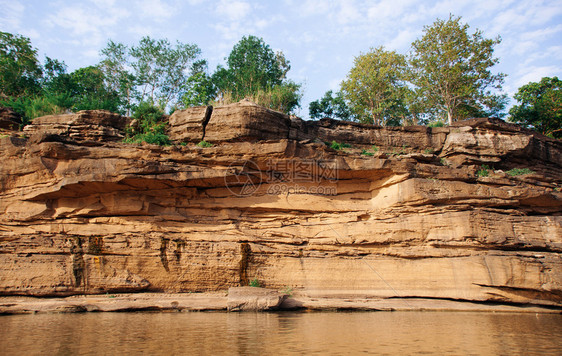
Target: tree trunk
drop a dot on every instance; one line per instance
(450, 116)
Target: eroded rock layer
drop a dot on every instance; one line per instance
(407, 212)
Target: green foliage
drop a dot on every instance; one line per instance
(540, 106)
(339, 146)
(288, 291)
(375, 87)
(330, 106)
(199, 90)
(204, 144)
(31, 107)
(375, 148)
(451, 71)
(151, 129)
(367, 153)
(483, 171)
(284, 97)
(255, 72)
(252, 65)
(89, 91)
(159, 72)
(428, 151)
(519, 171)
(20, 71)
(436, 124)
(255, 283)
(160, 69)
(115, 65)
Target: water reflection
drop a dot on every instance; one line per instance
(282, 333)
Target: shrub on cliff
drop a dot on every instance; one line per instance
(151, 127)
(331, 106)
(540, 106)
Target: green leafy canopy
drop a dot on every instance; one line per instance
(539, 106)
(450, 70)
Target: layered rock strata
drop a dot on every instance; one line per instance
(406, 212)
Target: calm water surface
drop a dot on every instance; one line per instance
(281, 333)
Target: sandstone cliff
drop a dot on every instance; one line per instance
(405, 212)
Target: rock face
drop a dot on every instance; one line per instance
(92, 125)
(254, 299)
(427, 213)
(9, 119)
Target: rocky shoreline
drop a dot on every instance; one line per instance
(219, 302)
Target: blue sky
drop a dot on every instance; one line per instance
(320, 38)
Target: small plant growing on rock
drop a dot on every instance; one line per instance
(204, 144)
(375, 149)
(428, 151)
(367, 153)
(288, 291)
(519, 171)
(483, 171)
(339, 146)
(436, 124)
(255, 283)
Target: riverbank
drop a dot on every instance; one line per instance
(218, 301)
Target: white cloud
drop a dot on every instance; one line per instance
(387, 10)
(11, 14)
(104, 3)
(348, 12)
(334, 84)
(541, 34)
(401, 42)
(233, 10)
(156, 9)
(535, 74)
(314, 7)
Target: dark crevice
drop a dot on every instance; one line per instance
(208, 113)
(483, 302)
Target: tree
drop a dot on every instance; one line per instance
(161, 70)
(254, 71)
(375, 86)
(199, 89)
(251, 66)
(330, 106)
(540, 106)
(90, 91)
(451, 69)
(20, 71)
(115, 64)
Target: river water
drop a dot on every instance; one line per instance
(321, 333)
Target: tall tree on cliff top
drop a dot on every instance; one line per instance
(20, 70)
(115, 65)
(153, 71)
(161, 69)
(451, 70)
(254, 71)
(375, 87)
(540, 106)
